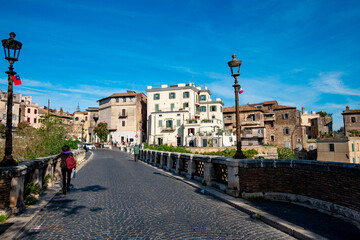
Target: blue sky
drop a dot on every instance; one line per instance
(300, 53)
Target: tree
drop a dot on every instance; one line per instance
(2, 129)
(285, 153)
(101, 131)
(23, 128)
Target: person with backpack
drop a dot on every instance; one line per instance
(67, 164)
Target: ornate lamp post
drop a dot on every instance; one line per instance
(82, 130)
(12, 51)
(234, 65)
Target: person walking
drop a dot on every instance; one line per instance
(65, 172)
(136, 152)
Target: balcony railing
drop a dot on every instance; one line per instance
(168, 129)
(123, 115)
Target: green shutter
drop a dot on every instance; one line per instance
(178, 123)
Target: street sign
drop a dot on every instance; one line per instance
(136, 136)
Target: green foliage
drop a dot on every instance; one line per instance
(255, 198)
(30, 201)
(354, 133)
(285, 153)
(166, 148)
(47, 179)
(3, 217)
(231, 152)
(101, 131)
(73, 144)
(2, 129)
(324, 114)
(31, 188)
(23, 127)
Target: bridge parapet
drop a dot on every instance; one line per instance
(14, 179)
(333, 187)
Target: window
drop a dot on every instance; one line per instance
(4, 116)
(286, 131)
(260, 131)
(213, 116)
(14, 117)
(353, 160)
(353, 147)
(117, 99)
(186, 95)
(28, 119)
(85, 118)
(169, 123)
(160, 123)
(131, 99)
(311, 147)
(123, 112)
(258, 107)
(178, 122)
(285, 116)
(124, 99)
(178, 114)
(203, 109)
(35, 111)
(298, 140)
(29, 110)
(172, 105)
(34, 120)
(212, 108)
(272, 138)
(185, 105)
(287, 144)
(156, 107)
(123, 123)
(299, 147)
(353, 119)
(220, 109)
(229, 117)
(331, 147)
(156, 96)
(202, 97)
(172, 95)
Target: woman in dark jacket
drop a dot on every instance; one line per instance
(66, 173)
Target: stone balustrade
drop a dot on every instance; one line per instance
(330, 186)
(14, 179)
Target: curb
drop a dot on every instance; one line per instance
(240, 204)
(25, 219)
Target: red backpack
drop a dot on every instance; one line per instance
(70, 162)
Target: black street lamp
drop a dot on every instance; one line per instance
(12, 51)
(82, 130)
(234, 65)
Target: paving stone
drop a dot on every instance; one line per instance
(117, 198)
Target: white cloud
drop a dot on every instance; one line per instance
(330, 82)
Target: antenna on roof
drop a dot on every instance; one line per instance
(78, 107)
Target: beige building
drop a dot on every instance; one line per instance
(345, 149)
(351, 121)
(183, 115)
(93, 117)
(30, 113)
(125, 114)
(15, 109)
(80, 126)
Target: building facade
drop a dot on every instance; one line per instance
(125, 114)
(351, 121)
(184, 115)
(345, 149)
(93, 117)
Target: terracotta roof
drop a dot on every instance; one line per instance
(350, 111)
(128, 94)
(270, 102)
(243, 108)
(279, 107)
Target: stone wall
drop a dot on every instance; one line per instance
(14, 179)
(333, 187)
(263, 151)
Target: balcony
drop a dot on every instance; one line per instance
(270, 117)
(168, 129)
(228, 121)
(123, 115)
(250, 122)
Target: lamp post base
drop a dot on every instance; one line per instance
(239, 155)
(8, 162)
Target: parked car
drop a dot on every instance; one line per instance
(88, 146)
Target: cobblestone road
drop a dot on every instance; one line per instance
(117, 198)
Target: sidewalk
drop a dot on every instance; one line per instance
(15, 225)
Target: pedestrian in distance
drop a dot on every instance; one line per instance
(67, 164)
(136, 152)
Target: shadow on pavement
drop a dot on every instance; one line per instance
(310, 219)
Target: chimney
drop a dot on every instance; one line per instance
(347, 108)
(303, 110)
